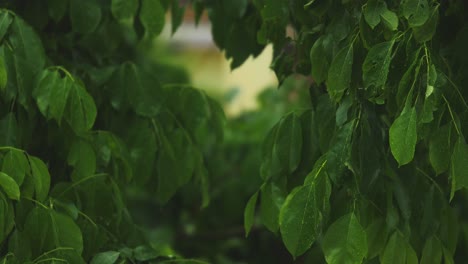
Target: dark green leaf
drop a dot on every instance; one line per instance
(145, 253)
(41, 177)
(177, 15)
(109, 257)
(26, 48)
(5, 21)
(124, 9)
(51, 94)
(7, 217)
(3, 74)
(134, 86)
(345, 241)
(372, 12)
(440, 146)
(9, 186)
(448, 258)
(320, 58)
(271, 201)
(395, 250)
(15, 165)
(49, 230)
(85, 22)
(80, 111)
(411, 256)
(376, 66)
(390, 19)
(8, 130)
(249, 213)
(304, 210)
(339, 153)
(288, 143)
(403, 136)
(416, 11)
(376, 236)
(152, 16)
(432, 251)
(57, 9)
(459, 166)
(176, 163)
(339, 74)
(426, 31)
(83, 158)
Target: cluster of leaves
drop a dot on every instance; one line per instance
(376, 169)
(373, 170)
(84, 115)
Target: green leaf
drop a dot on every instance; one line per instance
(26, 48)
(390, 19)
(416, 11)
(176, 163)
(339, 74)
(7, 217)
(123, 10)
(48, 230)
(432, 251)
(448, 257)
(339, 152)
(8, 130)
(395, 250)
(16, 165)
(345, 241)
(177, 15)
(80, 112)
(109, 257)
(287, 148)
(9, 186)
(138, 88)
(83, 158)
(440, 146)
(411, 256)
(3, 74)
(51, 94)
(271, 201)
(5, 21)
(141, 141)
(67, 208)
(320, 58)
(57, 9)
(303, 212)
(459, 166)
(249, 213)
(41, 177)
(152, 16)
(403, 137)
(376, 66)
(425, 32)
(372, 12)
(85, 22)
(376, 235)
(145, 253)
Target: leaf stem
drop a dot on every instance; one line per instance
(451, 114)
(81, 181)
(36, 202)
(430, 179)
(51, 251)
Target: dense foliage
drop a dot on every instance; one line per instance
(376, 169)
(368, 165)
(84, 117)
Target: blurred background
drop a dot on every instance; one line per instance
(192, 48)
(253, 104)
